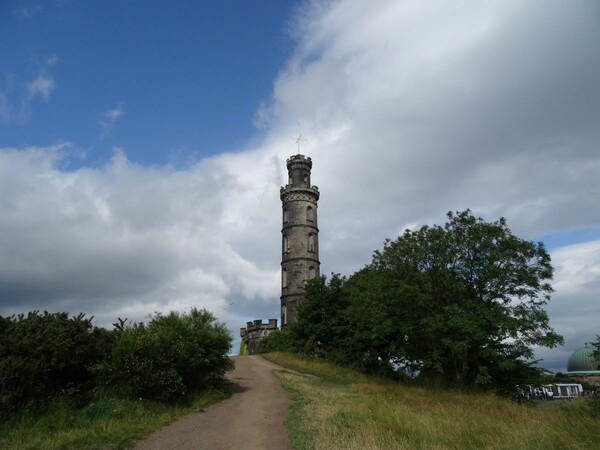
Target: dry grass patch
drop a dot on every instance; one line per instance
(340, 408)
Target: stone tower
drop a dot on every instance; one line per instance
(300, 236)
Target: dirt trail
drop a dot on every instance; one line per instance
(251, 419)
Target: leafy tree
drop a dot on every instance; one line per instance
(594, 402)
(46, 353)
(283, 340)
(468, 299)
(596, 353)
(321, 327)
(168, 357)
(463, 302)
(378, 313)
(204, 344)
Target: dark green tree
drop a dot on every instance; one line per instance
(379, 325)
(596, 345)
(168, 357)
(283, 340)
(467, 299)
(46, 353)
(321, 326)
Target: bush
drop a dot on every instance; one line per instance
(283, 340)
(44, 354)
(168, 357)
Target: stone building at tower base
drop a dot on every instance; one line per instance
(254, 332)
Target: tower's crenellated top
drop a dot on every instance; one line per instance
(254, 332)
(299, 167)
(299, 162)
(258, 325)
(298, 186)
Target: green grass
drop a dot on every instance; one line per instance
(105, 422)
(339, 408)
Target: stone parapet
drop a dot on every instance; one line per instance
(299, 162)
(255, 331)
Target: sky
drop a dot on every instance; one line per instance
(143, 144)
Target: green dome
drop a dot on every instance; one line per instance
(583, 360)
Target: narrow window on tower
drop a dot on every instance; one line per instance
(310, 216)
(311, 242)
(286, 244)
(311, 272)
(284, 277)
(284, 315)
(285, 215)
(305, 180)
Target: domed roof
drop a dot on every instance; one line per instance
(583, 360)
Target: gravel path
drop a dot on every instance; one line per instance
(251, 419)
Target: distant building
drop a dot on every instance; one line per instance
(254, 332)
(566, 390)
(584, 367)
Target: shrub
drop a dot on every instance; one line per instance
(48, 353)
(168, 357)
(279, 341)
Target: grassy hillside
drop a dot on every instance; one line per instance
(107, 422)
(337, 408)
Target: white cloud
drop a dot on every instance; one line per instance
(27, 12)
(42, 85)
(123, 240)
(17, 96)
(51, 60)
(113, 114)
(575, 306)
(110, 117)
(410, 108)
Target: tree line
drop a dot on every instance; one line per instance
(463, 302)
(45, 355)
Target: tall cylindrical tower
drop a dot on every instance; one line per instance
(300, 236)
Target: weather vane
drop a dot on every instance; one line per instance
(299, 139)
